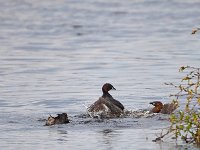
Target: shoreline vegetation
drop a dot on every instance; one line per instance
(185, 124)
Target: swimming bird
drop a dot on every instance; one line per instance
(106, 105)
(60, 119)
(164, 109)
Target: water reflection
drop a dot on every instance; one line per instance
(62, 135)
(106, 131)
(107, 137)
(62, 131)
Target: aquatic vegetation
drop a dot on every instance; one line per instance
(185, 124)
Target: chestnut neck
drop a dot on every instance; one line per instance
(158, 108)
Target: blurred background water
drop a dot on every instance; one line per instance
(56, 55)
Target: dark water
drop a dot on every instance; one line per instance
(56, 55)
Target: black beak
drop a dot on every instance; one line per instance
(113, 88)
(152, 103)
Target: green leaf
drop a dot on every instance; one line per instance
(189, 127)
(181, 127)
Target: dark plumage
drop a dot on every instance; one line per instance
(106, 104)
(60, 119)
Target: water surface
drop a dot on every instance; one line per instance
(56, 55)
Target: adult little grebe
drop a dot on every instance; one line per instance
(164, 109)
(106, 104)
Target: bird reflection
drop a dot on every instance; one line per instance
(106, 131)
(108, 138)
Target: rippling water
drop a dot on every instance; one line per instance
(56, 55)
